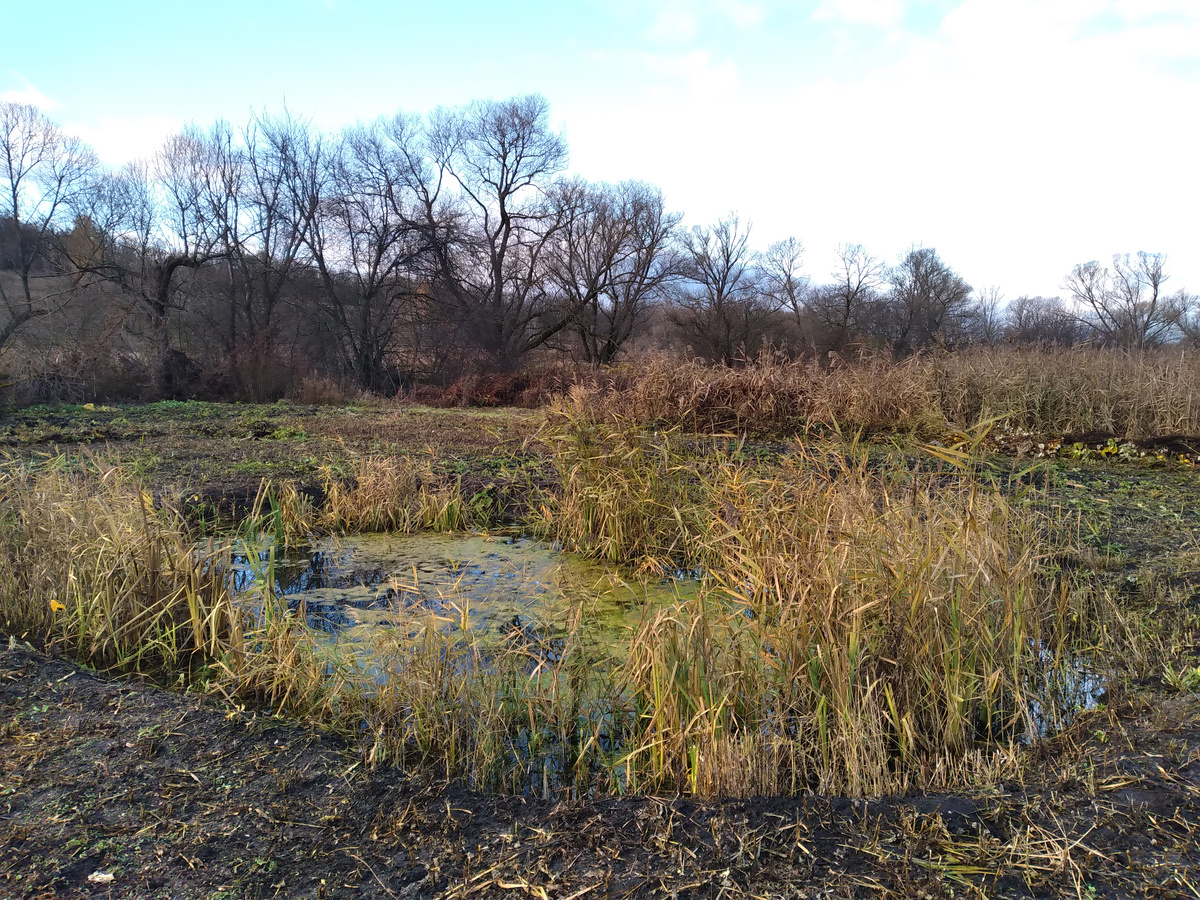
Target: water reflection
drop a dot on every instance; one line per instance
(351, 587)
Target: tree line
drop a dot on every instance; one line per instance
(419, 248)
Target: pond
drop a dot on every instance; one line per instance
(352, 587)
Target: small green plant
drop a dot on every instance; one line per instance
(287, 433)
(1185, 679)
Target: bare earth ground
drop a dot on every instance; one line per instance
(174, 795)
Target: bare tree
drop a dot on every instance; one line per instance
(139, 230)
(1189, 322)
(721, 308)
(928, 302)
(984, 320)
(221, 179)
(843, 307)
(612, 257)
(783, 280)
(41, 173)
(365, 238)
(278, 208)
(253, 185)
(1127, 307)
(1043, 320)
(490, 241)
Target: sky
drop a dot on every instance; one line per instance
(1017, 137)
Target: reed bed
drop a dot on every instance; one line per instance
(1081, 390)
(1049, 391)
(772, 395)
(865, 628)
(873, 630)
(860, 628)
(96, 569)
(362, 494)
(92, 567)
(390, 493)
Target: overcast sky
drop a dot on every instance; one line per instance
(1018, 137)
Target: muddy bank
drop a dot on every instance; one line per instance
(174, 796)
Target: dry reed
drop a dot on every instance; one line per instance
(862, 628)
(1056, 392)
(866, 628)
(1049, 391)
(94, 568)
(390, 493)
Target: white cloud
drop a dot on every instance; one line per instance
(681, 21)
(28, 93)
(115, 140)
(1140, 10)
(880, 13)
(1018, 138)
(741, 13)
(690, 76)
(674, 23)
(118, 141)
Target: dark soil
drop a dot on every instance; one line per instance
(175, 796)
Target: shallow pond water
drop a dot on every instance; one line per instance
(352, 587)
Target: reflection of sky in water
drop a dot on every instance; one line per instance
(354, 585)
(1064, 687)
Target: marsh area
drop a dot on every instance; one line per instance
(353, 587)
(193, 794)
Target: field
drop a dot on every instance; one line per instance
(936, 646)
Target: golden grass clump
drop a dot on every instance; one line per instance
(865, 628)
(93, 567)
(1048, 391)
(390, 493)
(1134, 395)
(628, 494)
(771, 395)
(890, 620)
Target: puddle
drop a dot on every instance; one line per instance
(352, 587)
(1065, 688)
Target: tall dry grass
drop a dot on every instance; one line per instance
(772, 395)
(861, 627)
(362, 493)
(1050, 391)
(390, 493)
(879, 627)
(1131, 395)
(91, 565)
(629, 495)
(865, 628)
(93, 568)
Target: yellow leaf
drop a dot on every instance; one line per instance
(55, 606)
